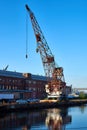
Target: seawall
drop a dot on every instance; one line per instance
(14, 107)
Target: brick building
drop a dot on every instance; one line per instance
(22, 85)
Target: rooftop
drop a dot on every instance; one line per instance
(20, 75)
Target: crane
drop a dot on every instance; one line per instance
(55, 78)
(6, 67)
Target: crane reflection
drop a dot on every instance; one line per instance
(57, 119)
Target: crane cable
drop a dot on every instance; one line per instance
(26, 35)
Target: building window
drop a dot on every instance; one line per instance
(29, 81)
(16, 87)
(13, 81)
(0, 86)
(38, 89)
(13, 87)
(30, 89)
(9, 87)
(10, 80)
(34, 82)
(3, 87)
(34, 89)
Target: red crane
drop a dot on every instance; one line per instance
(56, 83)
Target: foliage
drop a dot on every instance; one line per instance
(82, 95)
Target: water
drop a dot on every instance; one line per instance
(72, 118)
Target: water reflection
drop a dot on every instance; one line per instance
(48, 119)
(57, 119)
(82, 108)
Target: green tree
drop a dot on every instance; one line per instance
(82, 95)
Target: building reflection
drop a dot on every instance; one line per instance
(25, 127)
(52, 119)
(22, 120)
(57, 119)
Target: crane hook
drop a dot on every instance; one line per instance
(26, 56)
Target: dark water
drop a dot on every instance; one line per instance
(72, 118)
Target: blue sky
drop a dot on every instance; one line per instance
(64, 25)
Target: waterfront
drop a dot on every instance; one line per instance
(71, 118)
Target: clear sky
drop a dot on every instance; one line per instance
(64, 25)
